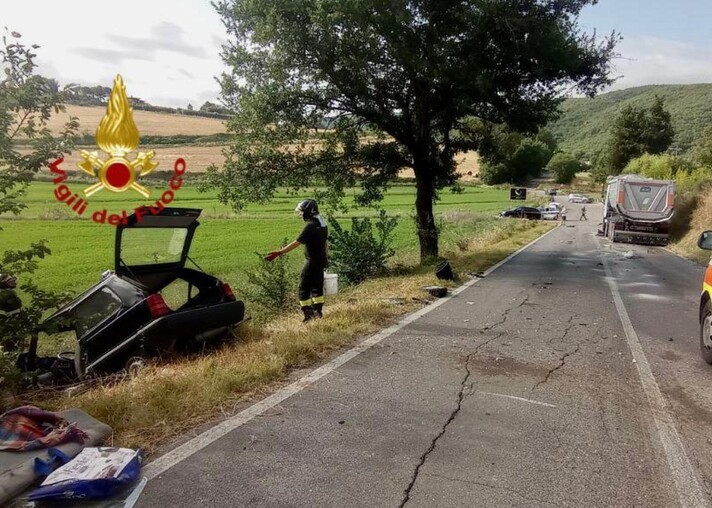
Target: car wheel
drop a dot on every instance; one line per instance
(135, 365)
(706, 333)
(79, 364)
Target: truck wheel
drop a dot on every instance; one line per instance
(706, 333)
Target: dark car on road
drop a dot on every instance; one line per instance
(125, 317)
(523, 212)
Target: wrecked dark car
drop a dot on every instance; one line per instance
(125, 318)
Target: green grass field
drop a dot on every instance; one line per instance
(226, 242)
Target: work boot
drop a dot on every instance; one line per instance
(317, 310)
(308, 313)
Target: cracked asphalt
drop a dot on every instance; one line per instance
(520, 391)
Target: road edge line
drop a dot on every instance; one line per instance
(166, 461)
(689, 490)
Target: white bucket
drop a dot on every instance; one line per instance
(331, 283)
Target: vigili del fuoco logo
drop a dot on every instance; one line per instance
(117, 137)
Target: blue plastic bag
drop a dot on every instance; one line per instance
(96, 473)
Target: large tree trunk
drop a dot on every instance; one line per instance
(427, 231)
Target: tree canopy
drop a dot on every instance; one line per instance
(27, 102)
(638, 131)
(398, 80)
(702, 148)
(564, 166)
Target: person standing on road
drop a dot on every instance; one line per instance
(563, 214)
(583, 213)
(314, 237)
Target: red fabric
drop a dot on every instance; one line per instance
(31, 428)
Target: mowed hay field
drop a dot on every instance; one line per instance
(150, 123)
(198, 157)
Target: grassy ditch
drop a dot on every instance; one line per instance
(699, 214)
(166, 400)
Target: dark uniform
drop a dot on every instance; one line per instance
(311, 283)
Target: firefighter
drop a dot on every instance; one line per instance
(313, 237)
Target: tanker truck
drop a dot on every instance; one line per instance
(638, 209)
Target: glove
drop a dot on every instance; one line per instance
(272, 255)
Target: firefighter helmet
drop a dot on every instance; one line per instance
(308, 209)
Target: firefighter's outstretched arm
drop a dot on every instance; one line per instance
(275, 254)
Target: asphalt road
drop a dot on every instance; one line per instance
(527, 389)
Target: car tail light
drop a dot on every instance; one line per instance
(157, 306)
(228, 291)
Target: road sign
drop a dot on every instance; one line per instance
(518, 194)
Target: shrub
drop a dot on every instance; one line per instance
(361, 253)
(273, 284)
(529, 159)
(10, 376)
(660, 167)
(495, 174)
(564, 166)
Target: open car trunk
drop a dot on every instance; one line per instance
(152, 249)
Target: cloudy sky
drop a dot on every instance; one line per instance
(168, 51)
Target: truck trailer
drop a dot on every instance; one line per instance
(638, 209)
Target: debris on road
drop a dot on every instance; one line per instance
(436, 291)
(444, 271)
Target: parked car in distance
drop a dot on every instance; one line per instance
(523, 212)
(551, 211)
(579, 198)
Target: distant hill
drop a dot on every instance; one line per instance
(584, 123)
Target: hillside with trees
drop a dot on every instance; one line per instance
(584, 124)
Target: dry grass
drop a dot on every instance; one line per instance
(198, 158)
(701, 221)
(468, 167)
(149, 122)
(166, 401)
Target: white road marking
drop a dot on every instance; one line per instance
(689, 490)
(182, 452)
(521, 399)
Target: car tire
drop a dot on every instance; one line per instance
(706, 329)
(79, 365)
(135, 365)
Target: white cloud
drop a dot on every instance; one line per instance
(167, 52)
(652, 61)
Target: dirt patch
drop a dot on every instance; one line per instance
(692, 410)
(671, 356)
(503, 366)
